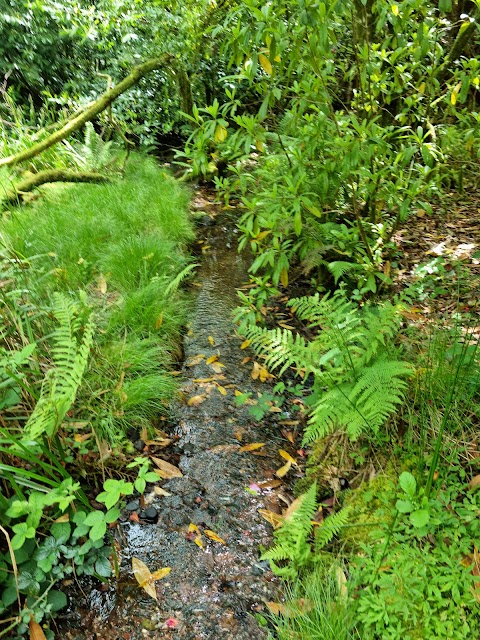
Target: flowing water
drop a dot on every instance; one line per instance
(211, 592)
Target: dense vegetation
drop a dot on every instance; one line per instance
(334, 127)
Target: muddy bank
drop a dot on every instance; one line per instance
(214, 590)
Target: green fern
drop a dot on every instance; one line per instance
(357, 383)
(293, 547)
(70, 354)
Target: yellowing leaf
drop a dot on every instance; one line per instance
(278, 58)
(284, 277)
(159, 321)
(275, 519)
(395, 9)
(194, 401)
(287, 456)
(283, 470)
(36, 631)
(213, 536)
(259, 145)
(211, 340)
(265, 64)
(220, 133)
(64, 518)
(145, 578)
(421, 88)
(167, 470)
(454, 94)
(252, 446)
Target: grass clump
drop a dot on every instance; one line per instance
(122, 244)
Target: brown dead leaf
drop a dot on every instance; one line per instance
(195, 360)
(166, 470)
(270, 484)
(277, 608)
(474, 482)
(213, 536)
(259, 372)
(252, 446)
(245, 360)
(194, 401)
(36, 631)
(275, 519)
(296, 504)
(164, 442)
(145, 578)
(280, 473)
(64, 518)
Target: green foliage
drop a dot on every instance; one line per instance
(293, 547)
(422, 584)
(357, 382)
(315, 608)
(73, 340)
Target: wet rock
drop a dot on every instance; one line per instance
(133, 505)
(150, 515)
(139, 445)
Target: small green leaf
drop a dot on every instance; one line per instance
(419, 518)
(404, 506)
(57, 599)
(408, 483)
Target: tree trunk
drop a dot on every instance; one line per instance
(91, 112)
(50, 175)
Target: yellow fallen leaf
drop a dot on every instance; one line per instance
(213, 536)
(275, 519)
(199, 542)
(192, 528)
(211, 340)
(145, 578)
(195, 360)
(283, 470)
(224, 448)
(167, 470)
(211, 359)
(36, 631)
(287, 456)
(217, 367)
(222, 390)
(245, 344)
(252, 446)
(102, 284)
(81, 437)
(194, 401)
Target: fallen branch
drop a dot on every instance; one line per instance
(90, 113)
(13, 196)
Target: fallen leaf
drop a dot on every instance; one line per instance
(277, 608)
(211, 359)
(296, 504)
(275, 519)
(64, 518)
(195, 360)
(283, 470)
(217, 367)
(194, 401)
(213, 536)
(211, 340)
(245, 344)
(270, 484)
(287, 456)
(36, 631)
(134, 517)
(82, 437)
(145, 578)
(252, 446)
(102, 284)
(224, 448)
(259, 372)
(474, 482)
(222, 390)
(167, 470)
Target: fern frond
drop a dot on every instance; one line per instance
(331, 527)
(291, 540)
(282, 349)
(70, 355)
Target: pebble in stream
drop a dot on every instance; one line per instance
(214, 592)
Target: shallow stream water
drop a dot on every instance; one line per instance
(212, 592)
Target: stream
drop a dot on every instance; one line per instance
(215, 587)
